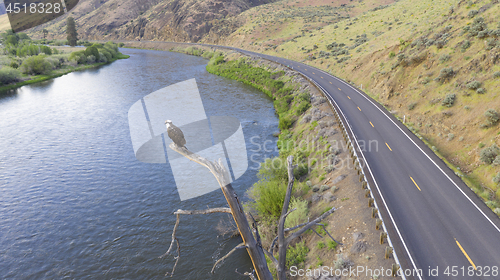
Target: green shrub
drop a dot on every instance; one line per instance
(392, 54)
(14, 64)
(474, 85)
(285, 123)
(465, 45)
(107, 54)
(472, 13)
(78, 56)
(9, 75)
(449, 100)
(444, 57)
(496, 74)
(300, 171)
(496, 179)
(295, 256)
(321, 245)
(480, 90)
(298, 216)
(477, 26)
(269, 192)
(496, 162)
(488, 155)
(36, 65)
(445, 74)
(342, 262)
(92, 50)
(218, 60)
(302, 107)
(492, 116)
(332, 245)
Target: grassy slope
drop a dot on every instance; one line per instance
(4, 23)
(393, 29)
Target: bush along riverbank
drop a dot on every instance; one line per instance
(24, 61)
(325, 177)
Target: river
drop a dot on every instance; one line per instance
(75, 203)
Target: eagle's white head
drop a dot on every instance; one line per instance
(168, 123)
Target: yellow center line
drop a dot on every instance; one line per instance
(321, 77)
(314, 73)
(388, 146)
(348, 97)
(339, 89)
(415, 183)
(305, 69)
(372, 124)
(465, 253)
(330, 82)
(358, 107)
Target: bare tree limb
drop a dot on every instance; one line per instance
(309, 225)
(173, 238)
(207, 211)
(218, 169)
(240, 246)
(324, 228)
(271, 257)
(256, 231)
(176, 258)
(320, 236)
(282, 244)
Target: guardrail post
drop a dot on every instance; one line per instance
(374, 212)
(367, 193)
(378, 224)
(370, 202)
(383, 236)
(395, 268)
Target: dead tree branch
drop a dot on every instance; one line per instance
(240, 246)
(173, 238)
(176, 258)
(202, 212)
(282, 245)
(255, 251)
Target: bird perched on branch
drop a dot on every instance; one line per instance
(175, 134)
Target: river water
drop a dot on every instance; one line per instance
(75, 203)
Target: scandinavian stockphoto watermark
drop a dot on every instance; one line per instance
(213, 137)
(312, 152)
(351, 271)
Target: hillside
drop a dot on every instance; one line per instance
(433, 63)
(170, 20)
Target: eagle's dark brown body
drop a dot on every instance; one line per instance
(175, 134)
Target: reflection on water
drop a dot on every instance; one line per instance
(74, 200)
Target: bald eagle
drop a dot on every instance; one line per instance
(175, 134)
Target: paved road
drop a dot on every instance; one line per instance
(433, 218)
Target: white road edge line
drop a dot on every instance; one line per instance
(477, 207)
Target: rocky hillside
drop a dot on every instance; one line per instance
(169, 20)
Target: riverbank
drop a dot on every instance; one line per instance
(60, 63)
(325, 175)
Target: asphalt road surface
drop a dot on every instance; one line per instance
(434, 220)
